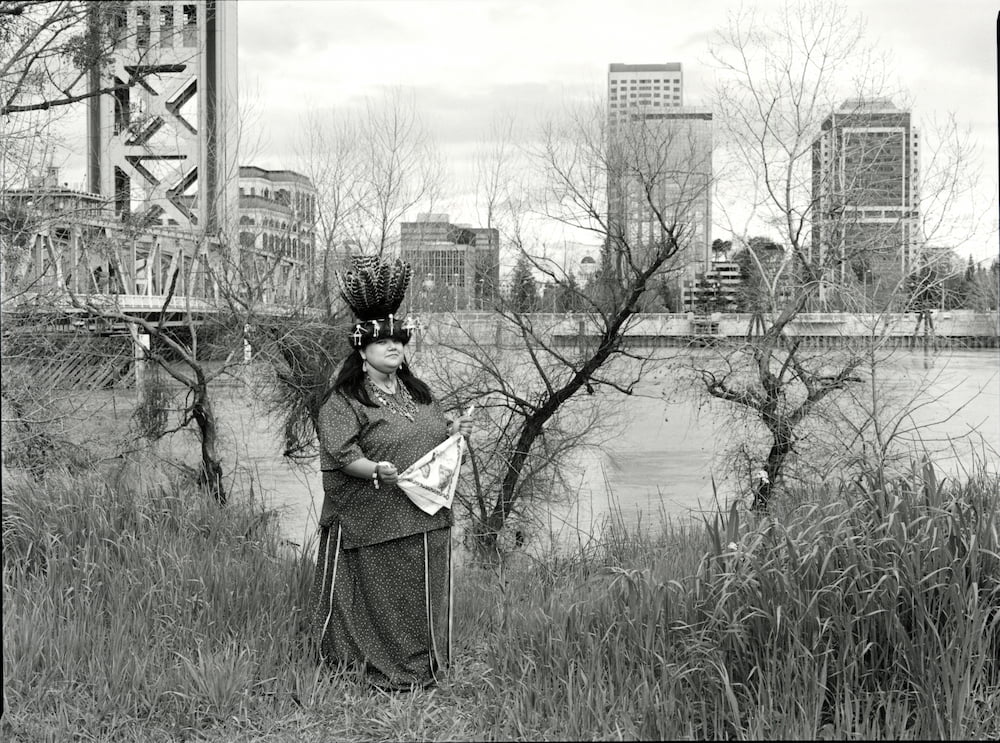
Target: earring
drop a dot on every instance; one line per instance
(364, 365)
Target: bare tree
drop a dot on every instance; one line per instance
(171, 345)
(402, 167)
(635, 188)
(783, 80)
(327, 150)
(371, 168)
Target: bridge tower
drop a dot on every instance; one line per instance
(162, 147)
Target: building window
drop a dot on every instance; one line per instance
(166, 25)
(119, 24)
(142, 27)
(190, 36)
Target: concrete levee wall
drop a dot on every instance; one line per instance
(963, 326)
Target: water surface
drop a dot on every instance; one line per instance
(663, 460)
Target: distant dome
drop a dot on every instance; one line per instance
(586, 260)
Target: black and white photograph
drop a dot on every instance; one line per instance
(499, 370)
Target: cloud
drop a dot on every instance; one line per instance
(960, 38)
(466, 116)
(297, 29)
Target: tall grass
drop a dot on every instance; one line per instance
(139, 611)
(127, 606)
(877, 615)
(136, 610)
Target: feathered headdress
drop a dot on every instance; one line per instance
(374, 289)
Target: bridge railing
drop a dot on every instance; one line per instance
(137, 304)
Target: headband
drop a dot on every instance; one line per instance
(369, 331)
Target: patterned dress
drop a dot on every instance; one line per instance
(381, 598)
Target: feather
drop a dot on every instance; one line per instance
(384, 272)
(375, 287)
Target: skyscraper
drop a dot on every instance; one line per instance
(660, 164)
(865, 192)
(634, 87)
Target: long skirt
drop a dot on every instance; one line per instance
(385, 609)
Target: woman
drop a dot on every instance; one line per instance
(381, 594)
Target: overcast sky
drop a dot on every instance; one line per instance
(465, 61)
(468, 59)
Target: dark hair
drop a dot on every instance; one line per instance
(350, 381)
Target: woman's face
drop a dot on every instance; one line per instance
(384, 355)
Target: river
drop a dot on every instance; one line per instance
(663, 460)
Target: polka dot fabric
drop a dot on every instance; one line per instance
(377, 610)
(380, 600)
(349, 430)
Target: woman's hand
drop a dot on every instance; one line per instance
(462, 425)
(387, 473)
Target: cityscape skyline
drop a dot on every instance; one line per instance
(336, 54)
(528, 57)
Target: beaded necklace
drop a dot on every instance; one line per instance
(400, 402)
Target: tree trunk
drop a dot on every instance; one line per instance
(211, 462)
(505, 504)
(781, 447)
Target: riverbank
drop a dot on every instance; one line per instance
(137, 611)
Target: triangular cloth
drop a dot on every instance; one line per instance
(430, 482)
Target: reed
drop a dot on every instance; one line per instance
(876, 615)
(138, 610)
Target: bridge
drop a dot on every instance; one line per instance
(59, 311)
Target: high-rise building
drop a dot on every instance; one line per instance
(660, 166)
(455, 267)
(633, 87)
(716, 290)
(865, 191)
